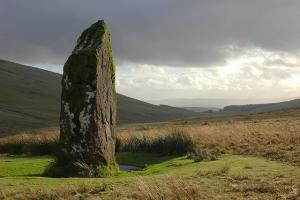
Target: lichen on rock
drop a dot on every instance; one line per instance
(88, 103)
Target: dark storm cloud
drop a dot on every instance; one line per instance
(166, 32)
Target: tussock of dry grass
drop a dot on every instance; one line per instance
(70, 193)
(172, 188)
(273, 189)
(223, 170)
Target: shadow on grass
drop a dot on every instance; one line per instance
(141, 159)
(34, 166)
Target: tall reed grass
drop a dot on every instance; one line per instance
(177, 141)
(174, 141)
(31, 144)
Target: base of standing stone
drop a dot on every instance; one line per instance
(66, 167)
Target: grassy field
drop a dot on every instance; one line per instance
(259, 158)
(230, 177)
(274, 135)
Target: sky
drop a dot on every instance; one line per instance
(164, 49)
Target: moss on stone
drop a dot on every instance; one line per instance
(112, 66)
(84, 53)
(113, 75)
(107, 170)
(91, 38)
(67, 166)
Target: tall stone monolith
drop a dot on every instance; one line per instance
(88, 106)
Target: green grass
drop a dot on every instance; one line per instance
(231, 176)
(30, 169)
(14, 166)
(140, 159)
(23, 166)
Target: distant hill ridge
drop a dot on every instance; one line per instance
(247, 109)
(30, 99)
(254, 108)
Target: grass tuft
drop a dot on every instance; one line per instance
(31, 144)
(82, 191)
(177, 142)
(203, 155)
(169, 189)
(65, 166)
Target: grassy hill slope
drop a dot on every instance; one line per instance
(246, 109)
(30, 98)
(132, 110)
(254, 108)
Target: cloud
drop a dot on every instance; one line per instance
(193, 33)
(239, 78)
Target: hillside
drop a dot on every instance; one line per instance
(30, 98)
(202, 109)
(132, 110)
(216, 103)
(254, 108)
(245, 109)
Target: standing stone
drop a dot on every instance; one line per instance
(88, 106)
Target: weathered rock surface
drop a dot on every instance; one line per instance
(88, 105)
